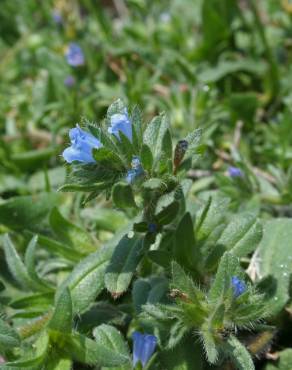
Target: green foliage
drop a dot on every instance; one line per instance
(181, 229)
(276, 261)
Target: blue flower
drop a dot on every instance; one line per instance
(136, 171)
(121, 122)
(143, 348)
(152, 227)
(74, 55)
(57, 16)
(82, 143)
(238, 286)
(131, 176)
(235, 172)
(69, 81)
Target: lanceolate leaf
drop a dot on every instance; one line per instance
(123, 264)
(86, 280)
(91, 352)
(111, 338)
(123, 196)
(154, 134)
(8, 336)
(30, 261)
(242, 234)
(33, 362)
(185, 248)
(146, 158)
(27, 212)
(239, 354)
(61, 320)
(18, 269)
(71, 234)
(275, 254)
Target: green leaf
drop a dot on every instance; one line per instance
(241, 236)
(228, 267)
(18, 269)
(146, 158)
(275, 256)
(71, 234)
(33, 362)
(8, 336)
(107, 158)
(37, 301)
(125, 147)
(27, 212)
(58, 248)
(193, 140)
(185, 249)
(239, 354)
(29, 260)
(61, 320)
(168, 213)
(86, 280)
(58, 364)
(86, 188)
(149, 291)
(209, 343)
(100, 353)
(184, 283)
(137, 124)
(227, 67)
(210, 216)
(118, 106)
(123, 196)
(187, 355)
(125, 259)
(154, 134)
(112, 339)
(166, 146)
(33, 158)
(284, 362)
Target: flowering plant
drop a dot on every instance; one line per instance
(172, 273)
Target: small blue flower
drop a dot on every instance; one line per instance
(143, 348)
(136, 171)
(131, 176)
(234, 172)
(121, 122)
(238, 286)
(57, 16)
(82, 143)
(74, 55)
(152, 227)
(69, 81)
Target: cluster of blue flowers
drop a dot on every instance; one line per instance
(238, 286)
(82, 143)
(143, 347)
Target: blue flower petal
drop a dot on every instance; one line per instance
(74, 55)
(138, 342)
(71, 154)
(238, 286)
(82, 143)
(235, 172)
(150, 342)
(121, 122)
(131, 176)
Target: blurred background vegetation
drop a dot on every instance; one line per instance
(222, 65)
